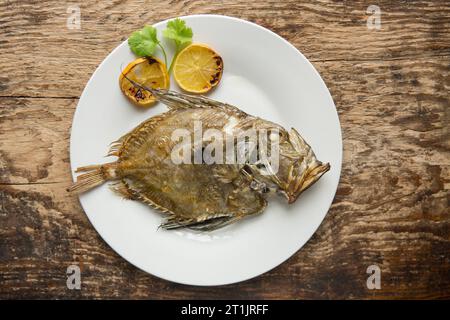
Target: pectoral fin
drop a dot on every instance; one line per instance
(208, 224)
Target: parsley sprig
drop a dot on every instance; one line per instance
(180, 33)
(144, 42)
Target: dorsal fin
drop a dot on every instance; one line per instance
(176, 100)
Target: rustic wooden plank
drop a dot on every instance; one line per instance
(57, 62)
(391, 90)
(34, 139)
(391, 208)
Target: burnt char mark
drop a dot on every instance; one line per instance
(215, 78)
(139, 95)
(151, 60)
(219, 61)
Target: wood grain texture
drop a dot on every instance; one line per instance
(391, 89)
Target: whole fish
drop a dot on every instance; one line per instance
(198, 193)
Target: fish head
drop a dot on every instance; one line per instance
(297, 167)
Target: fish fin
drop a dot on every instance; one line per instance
(94, 175)
(297, 141)
(121, 188)
(114, 148)
(208, 224)
(153, 204)
(176, 100)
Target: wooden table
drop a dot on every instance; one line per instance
(391, 89)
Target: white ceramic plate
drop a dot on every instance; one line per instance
(264, 75)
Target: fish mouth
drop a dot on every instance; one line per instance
(306, 180)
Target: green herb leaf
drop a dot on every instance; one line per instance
(178, 31)
(144, 42)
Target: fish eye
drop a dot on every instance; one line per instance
(272, 136)
(279, 134)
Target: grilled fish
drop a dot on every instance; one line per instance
(198, 193)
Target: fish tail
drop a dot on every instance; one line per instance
(93, 176)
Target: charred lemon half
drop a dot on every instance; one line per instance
(198, 68)
(149, 72)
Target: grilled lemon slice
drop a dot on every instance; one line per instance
(149, 72)
(198, 68)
